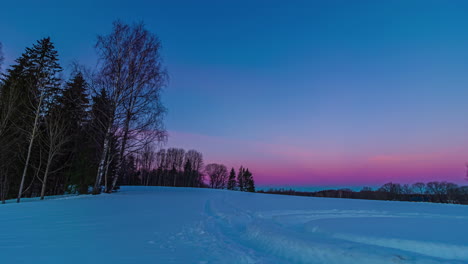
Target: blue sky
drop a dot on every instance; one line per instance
(324, 88)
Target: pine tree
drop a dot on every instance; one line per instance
(249, 181)
(188, 174)
(12, 106)
(75, 102)
(232, 180)
(75, 109)
(39, 69)
(240, 179)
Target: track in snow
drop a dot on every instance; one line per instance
(184, 225)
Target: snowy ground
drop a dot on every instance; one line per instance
(184, 225)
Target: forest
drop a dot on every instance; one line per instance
(100, 128)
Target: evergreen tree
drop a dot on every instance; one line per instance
(188, 174)
(75, 102)
(12, 121)
(74, 106)
(249, 181)
(1, 57)
(240, 179)
(35, 80)
(231, 185)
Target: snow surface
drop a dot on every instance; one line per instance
(187, 225)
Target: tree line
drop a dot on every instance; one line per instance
(179, 168)
(435, 192)
(96, 129)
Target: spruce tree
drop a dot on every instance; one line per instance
(188, 174)
(231, 185)
(1, 57)
(36, 75)
(249, 181)
(75, 109)
(75, 102)
(13, 105)
(240, 179)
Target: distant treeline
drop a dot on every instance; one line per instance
(179, 168)
(434, 192)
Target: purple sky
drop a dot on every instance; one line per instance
(303, 92)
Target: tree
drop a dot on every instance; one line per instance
(132, 72)
(231, 185)
(2, 58)
(441, 190)
(240, 179)
(249, 181)
(161, 163)
(41, 70)
(175, 160)
(393, 189)
(101, 132)
(406, 189)
(188, 172)
(56, 137)
(217, 174)
(10, 135)
(81, 147)
(147, 157)
(196, 161)
(366, 189)
(419, 187)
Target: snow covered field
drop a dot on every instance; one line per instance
(184, 225)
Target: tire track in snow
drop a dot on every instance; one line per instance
(274, 234)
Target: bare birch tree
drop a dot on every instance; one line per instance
(133, 75)
(56, 137)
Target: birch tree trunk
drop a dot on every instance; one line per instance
(102, 161)
(31, 142)
(122, 148)
(46, 173)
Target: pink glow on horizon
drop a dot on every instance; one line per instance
(279, 164)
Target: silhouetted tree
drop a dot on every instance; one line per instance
(1, 56)
(231, 185)
(419, 187)
(249, 181)
(240, 179)
(196, 161)
(366, 189)
(55, 139)
(217, 174)
(393, 189)
(40, 73)
(82, 147)
(132, 73)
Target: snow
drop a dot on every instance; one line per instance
(188, 225)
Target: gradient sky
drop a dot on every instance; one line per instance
(301, 92)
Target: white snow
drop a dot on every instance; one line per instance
(186, 225)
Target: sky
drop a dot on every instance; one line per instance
(300, 92)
